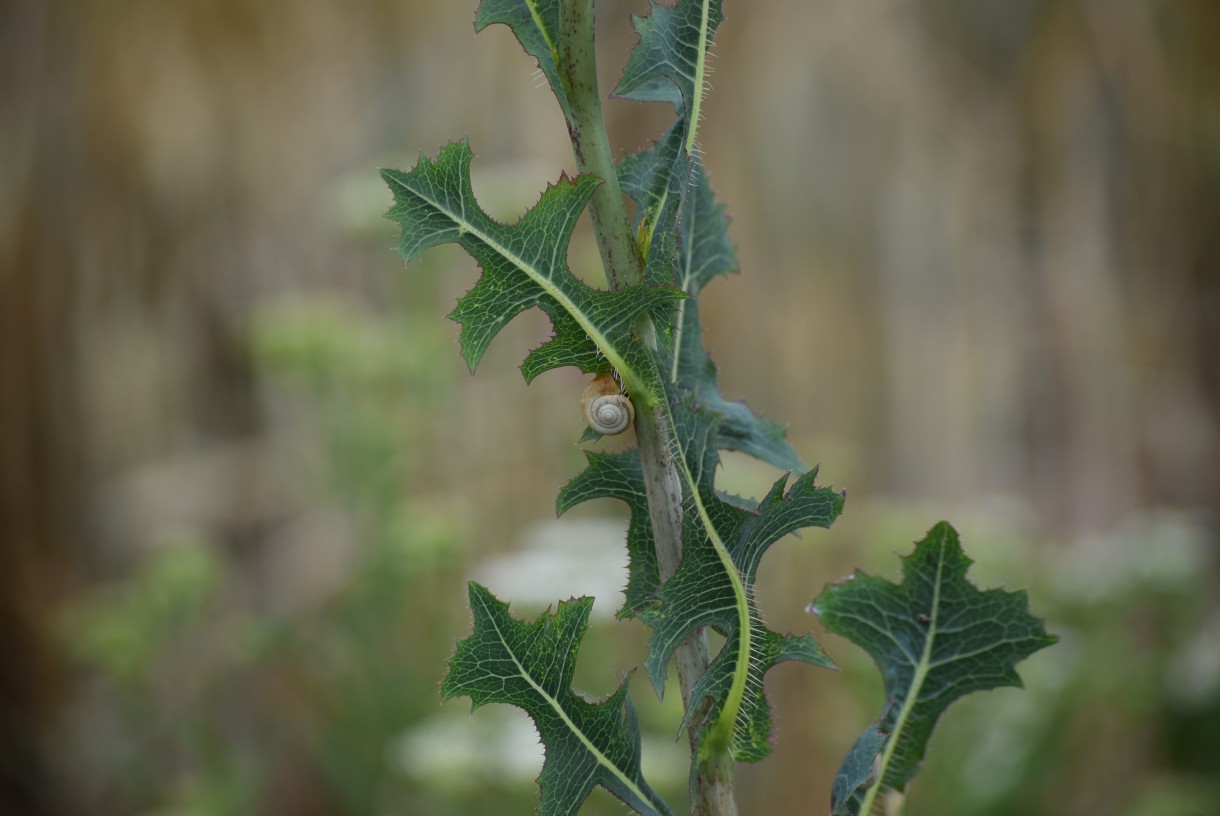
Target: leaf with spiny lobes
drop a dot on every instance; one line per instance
(531, 666)
(935, 638)
(669, 62)
(620, 476)
(524, 265)
(686, 231)
(707, 591)
(701, 594)
(705, 252)
(751, 738)
(536, 26)
(657, 180)
(742, 429)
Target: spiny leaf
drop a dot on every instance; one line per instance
(536, 26)
(524, 265)
(704, 253)
(723, 545)
(656, 179)
(531, 666)
(935, 638)
(669, 64)
(621, 476)
(742, 429)
(687, 234)
(703, 592)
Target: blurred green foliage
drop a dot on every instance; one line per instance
(123, 631)
(322, 692)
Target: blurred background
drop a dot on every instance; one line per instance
(244, 474)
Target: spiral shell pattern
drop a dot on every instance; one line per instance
(605, 407)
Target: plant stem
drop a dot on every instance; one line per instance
(713, 790)
(577, 64)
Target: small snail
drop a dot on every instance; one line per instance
(605, 407)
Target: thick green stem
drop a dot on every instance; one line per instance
(713, 794)
(577, 65)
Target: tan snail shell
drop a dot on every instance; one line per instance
(605, 407)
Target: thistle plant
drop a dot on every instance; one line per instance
(693, 551)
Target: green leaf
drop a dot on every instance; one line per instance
(711, 589)
(742, 429)
(705, 252)
(723, 544)
(669, 64)
(935, 638)
(536, 26)
(656, 179)
(524, 265)
(703, 593)
(857, 771)
(621, 476)
(531, 666)
(680, 222)
(688, 240)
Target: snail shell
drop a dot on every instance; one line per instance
(606, 408)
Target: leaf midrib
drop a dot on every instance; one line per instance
(921, 673)
(732, 705)
(601, 758)
(546, 37)
(700, 70)
(687, 275)
(548, 286)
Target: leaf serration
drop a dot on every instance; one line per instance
(935, 638)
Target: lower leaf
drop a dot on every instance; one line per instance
(935, 637)
(530, 665)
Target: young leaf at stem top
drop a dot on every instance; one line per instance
(935, 638)
(669, 64)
